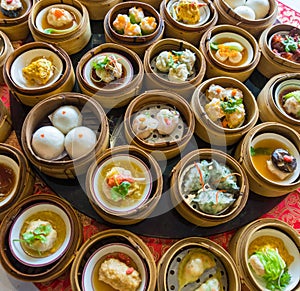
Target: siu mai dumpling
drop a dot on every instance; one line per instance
(79, 141)
(66, 118)
(136, 14)
(132, 29)
(163, 61)
(211, 284)
(40, 235)
(148, 25)
(178, 73)
(214, 91)
(120, 22)
(48, 142)
(59, 17)
(143, 125)
(214, 109)
(193, 265)
(167, 121)
(188, 58)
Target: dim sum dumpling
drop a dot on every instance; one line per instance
(214, 109)
(211, 284)
(132, 29)
(48, 142)
(136, 14)
(179, 73)
(66, 118)
(41, 228)
(148, 25)
(193, 265)
(143, 125)
(188, 57)
(163, 61)
(167, 121)
(79, 141)
(120, 22)
(59, 17)
(214, 91)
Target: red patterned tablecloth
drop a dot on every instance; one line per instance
(288, 210)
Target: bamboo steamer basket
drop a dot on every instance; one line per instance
(214, 69)
(72, 42)
(97, 9)
(6, 50)
(138, 44)
(155, 80)
(28, 96)
(198, 217)
(26, 178)
(46, 273)
(208, 130)
(154, 3)
(167, 265)
(254, 27)
(239, 243)
(166, 149)
(93, 117)
(268, 109)
(110, 237)
(113, 97)
(175, 29)
(271, 64)
(17, 28)
(258, 183)
(142, 211)
(5, 123)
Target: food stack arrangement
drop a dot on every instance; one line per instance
(140, 105)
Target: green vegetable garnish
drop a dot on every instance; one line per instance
(290, 45)
(231, 45)
(177, 53)
(276, 272)
(295, 94)
(120, 191)
(100, 65)
(60, 31)
(260, 151)
(231, 105)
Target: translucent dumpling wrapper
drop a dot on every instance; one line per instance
(212, 284)
(214, 201)
(143, 125)
(167, 121)
(193, 265)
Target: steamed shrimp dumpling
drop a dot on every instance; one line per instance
(179, 73)
(148, 25)
(212, 284)
(167, 121)
(132, 29)
(136, 15)
(143, 125)
(120, 22)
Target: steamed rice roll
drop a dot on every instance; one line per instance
(132, 29)
(136, 15)
(148, 25)
(11, 8)
(120, 22)
(59, 17)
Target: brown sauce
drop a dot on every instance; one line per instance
(7, 181)
(23, 11)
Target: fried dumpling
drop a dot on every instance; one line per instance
(167, 121)
(193, 265)
(143, 125)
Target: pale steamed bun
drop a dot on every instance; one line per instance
(245, 11)
(48, 142)
(79, 141)
(260, 7)
(66, 118)
(235, 3)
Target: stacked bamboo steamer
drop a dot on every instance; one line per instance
(189, 33)
(52, 270)
(72, 41)
(269, 110)
(153, 3)
(5, 122)
(6, 50)
(239, 245)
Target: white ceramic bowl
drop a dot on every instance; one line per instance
(238, 38)
(89, 268)
(204, 12)
(292, 150)
(285, 85)
(25, 59)
(293, 269)
(117, 84)
(40, 16)
(14, 234)
(8, 162)
(114, 208)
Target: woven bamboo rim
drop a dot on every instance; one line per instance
(50, 272)
(98, 9)
(5, 123)
(164, 150)
(94, 116)
(72, 42)
(144, 210)
(268, 110)
(214, 69)
(112, 98)
(17, 28)
(209, 131)
(238, 245)
(188, 33)
(257, 183)
(112, 236)
(197, 217)
(155, 81)
(31, 97)
(271, 64)
(8, 49)
(26, 177)
(154, 3)
(254, 27)
(206, 244)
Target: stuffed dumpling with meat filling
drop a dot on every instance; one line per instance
(167, 121)
(59, 17)
(188, 58)
(143, 125)
(148, 25)
(163, 61)
(178, 73)
(136, 14)
(120, 22)
(212, 284)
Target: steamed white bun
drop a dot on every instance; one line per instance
(245, 11)
(79, 141)
(235, 3)
(48, 142)
(260, 7)
(66, 118)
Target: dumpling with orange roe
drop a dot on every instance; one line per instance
(120, 22)
(132, 29)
